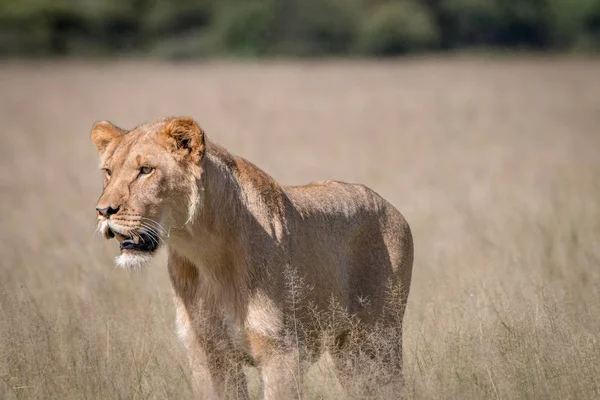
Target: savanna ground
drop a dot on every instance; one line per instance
(495, 164)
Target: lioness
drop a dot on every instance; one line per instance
(235, 238)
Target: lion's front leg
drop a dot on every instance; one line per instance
(216, 367)
(202, 378)
(282, 376)
(221, 373)
(280, 367)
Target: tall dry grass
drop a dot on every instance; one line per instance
(494, 164)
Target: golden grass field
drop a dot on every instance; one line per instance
(495, 164)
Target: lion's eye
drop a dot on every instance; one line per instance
(107, 172)
(146, 170)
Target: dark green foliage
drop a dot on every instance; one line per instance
(316, 27)
(243, 28)
(397, 28)
(193, 28)
(537, 24)
(471, 22)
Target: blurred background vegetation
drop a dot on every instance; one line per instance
(306, 28)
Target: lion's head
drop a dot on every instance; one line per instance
(151, 181)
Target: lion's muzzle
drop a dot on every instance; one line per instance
(142, 242)
(137, 241)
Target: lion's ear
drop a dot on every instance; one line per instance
(103, 133)
(185, 138)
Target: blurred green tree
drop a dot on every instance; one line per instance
(193, 28)
(398, 28)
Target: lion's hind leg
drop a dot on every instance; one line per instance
(368, 359)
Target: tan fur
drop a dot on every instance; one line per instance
(247, 255)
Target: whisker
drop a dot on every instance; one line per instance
(138, 218)
(150, 235)
(145, 224)
(113, 270)
(155, 229)
(136, 236)
(156, 224)
(152, 232)
(156, 237)
(148, 226)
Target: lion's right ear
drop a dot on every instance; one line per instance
(185, 138)
(103, 133)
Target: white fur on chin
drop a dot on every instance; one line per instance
(133, 260)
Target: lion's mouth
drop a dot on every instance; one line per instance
(139, 242)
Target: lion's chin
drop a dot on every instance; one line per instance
(132, 259)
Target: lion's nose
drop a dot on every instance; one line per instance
(107, 211)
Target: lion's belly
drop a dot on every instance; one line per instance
(344, 266)
(348, 247)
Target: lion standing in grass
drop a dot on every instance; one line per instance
(234, 239)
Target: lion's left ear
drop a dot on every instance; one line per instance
(185, 138)
(104, 133)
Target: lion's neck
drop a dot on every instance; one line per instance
(223, 200)
(213, 231)
(210, 243)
